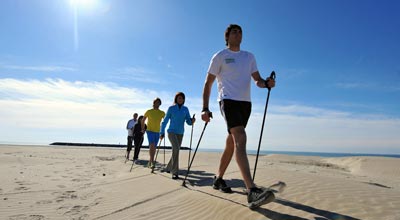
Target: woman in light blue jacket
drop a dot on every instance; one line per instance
(177, 115)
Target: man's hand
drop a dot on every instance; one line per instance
(206, 115)
(269, 83)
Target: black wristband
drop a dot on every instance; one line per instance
(205, 110)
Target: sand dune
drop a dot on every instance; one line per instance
(96, 183)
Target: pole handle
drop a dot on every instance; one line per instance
(273, 75)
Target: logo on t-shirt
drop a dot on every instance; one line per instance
(229, 60)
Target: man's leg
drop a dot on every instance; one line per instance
(226, 156)
(136, 150)
(255, 196)
(129, 147)
(239, 138)
(152, 146)
(152, 150)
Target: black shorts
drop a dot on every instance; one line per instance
(235, 113)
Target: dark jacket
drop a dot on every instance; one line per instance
(137, 131)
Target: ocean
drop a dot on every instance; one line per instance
(318, 154)
(251, 152)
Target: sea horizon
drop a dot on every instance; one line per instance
(249, 151)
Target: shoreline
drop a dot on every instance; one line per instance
(249, 152)
(107, 145)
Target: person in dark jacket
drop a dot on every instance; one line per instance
(138, 134)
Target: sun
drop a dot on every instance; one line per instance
(83, 3)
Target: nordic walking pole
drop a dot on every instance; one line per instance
(191, 137)
(132, 166)
(133, 163)
(272, 76)
(155, 160)
(194, 154)
(164, 152)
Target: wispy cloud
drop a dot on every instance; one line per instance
(389, 86)
(293, 73)
(139, 74)
(40, 68)
(301, 110)
(354, 85)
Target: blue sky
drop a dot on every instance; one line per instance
(77, 72)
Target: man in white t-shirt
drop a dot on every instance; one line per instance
(129, 126)
(233, 68)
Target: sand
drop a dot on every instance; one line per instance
(50, 182)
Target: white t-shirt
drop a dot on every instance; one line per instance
(233, 71)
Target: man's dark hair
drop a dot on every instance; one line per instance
(157, 99)
(228, 31)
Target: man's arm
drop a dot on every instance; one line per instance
(164, 123)
(206, 96)
(129, 125)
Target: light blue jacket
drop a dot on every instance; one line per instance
(177, 117)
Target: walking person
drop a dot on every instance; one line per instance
(153, 117)
(129, 126)
(233, 68)
(176, 115)
(138, 134)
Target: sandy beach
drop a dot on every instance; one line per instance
(47, 182)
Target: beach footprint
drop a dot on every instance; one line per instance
(60, 197)
(44, 202)
(27, 217)
(77, 210)
(21, 188)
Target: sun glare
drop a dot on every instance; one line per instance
(83, 3)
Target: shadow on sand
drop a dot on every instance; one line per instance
(200, 178)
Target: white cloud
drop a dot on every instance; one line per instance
(305, 128)
(321, 133)
(96, 112)
(58, 110)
